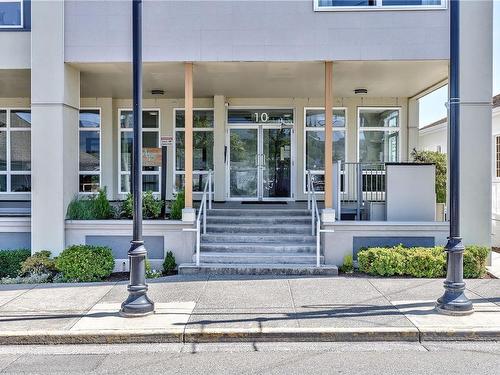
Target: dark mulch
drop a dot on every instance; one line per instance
(124, 276)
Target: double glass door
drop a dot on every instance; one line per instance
(260, 162)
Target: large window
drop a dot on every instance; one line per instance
(11, 13)
(497, 156)
(15, 150)
(150, 138)
(315, 143)
(203, 145)
(378, 140)
(90, 150)
(378, 4)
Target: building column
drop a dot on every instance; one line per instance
(219, 148)
(328, 214)
(188, 213)
(55, 98)
(413, 125)
(476, 24)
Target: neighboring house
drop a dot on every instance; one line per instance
(434, 137)
(259, 74)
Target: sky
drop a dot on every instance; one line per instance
(432, 106)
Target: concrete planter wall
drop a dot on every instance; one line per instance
(15, 233)
(349, 236)
(160, 236)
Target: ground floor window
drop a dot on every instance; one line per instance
(497, 156)
(378, 140)
(90, 150)
(203, 147)
(150, 139)
(15, 150)
(314, 150)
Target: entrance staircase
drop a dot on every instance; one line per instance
(258, 240)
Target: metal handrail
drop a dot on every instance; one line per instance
(312, 205)
(202, 215)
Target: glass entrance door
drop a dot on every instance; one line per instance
(276, 162)
(243, 163)
(260, 162)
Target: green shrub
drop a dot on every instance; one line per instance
(176, 206)
(475, 261)
(169, 263)
(389, 263)
(93, 207)
(419, 262)
(422, 262)
(38, 264)
(151, 273)
(82, 263)
(151, 206)
(10, 261)
(347, 266)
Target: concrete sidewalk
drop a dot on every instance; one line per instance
(215, 309)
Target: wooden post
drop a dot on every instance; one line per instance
(188, 134)
(328, 134)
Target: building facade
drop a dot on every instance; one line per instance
(256, 77)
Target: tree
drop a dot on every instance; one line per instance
(439, 160)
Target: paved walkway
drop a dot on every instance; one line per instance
(208, 309)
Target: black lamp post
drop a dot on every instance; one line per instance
(137, 303)
(454, 301)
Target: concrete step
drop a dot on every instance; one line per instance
(257, 269)
(258, 238)
(257, 212)
(257, 258)
(277, 247)
(283, 220)
(258, 228)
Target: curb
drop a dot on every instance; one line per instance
(392, 334)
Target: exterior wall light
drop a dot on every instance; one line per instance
(361, 91)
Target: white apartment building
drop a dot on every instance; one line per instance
(260, 74)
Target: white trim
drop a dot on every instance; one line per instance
(20, 26)
(377, 7)
(9, 172)
(258, 126)
(378, 128)
(176, 129)
(129, 130)
(94, 173)
(304, 146)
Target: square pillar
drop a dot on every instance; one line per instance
(476, 24)
(413, 126)
(188, 213)
(219, 151)
(55, 97)
(328, 214)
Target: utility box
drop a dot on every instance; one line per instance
(410, 192)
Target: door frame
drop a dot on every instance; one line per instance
(260, 126)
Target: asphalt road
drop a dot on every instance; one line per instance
(256, 358)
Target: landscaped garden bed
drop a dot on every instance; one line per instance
(422, 262)
(77, 263)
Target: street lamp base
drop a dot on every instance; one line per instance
(455, 303)
(137, 306)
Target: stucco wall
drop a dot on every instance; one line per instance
(271, 30)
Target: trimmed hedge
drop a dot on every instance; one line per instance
(82, 263)
(11, 260)
(419, 261)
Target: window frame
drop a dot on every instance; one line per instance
(8, 171)
(130, 130)
(176, 129)
(318, 129)
(378, 128)
(378, 7)
(496, 157)
(80, 172)
(15, 27)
